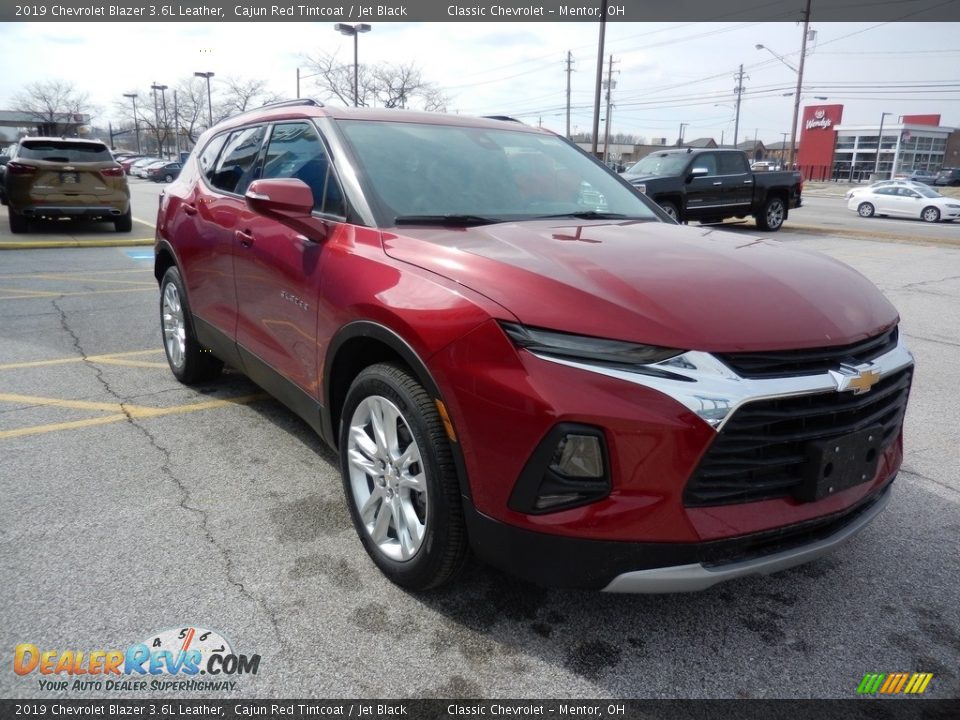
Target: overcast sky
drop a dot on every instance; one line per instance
(667, 73)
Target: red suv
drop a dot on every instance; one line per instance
(515, 352)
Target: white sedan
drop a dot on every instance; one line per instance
(903, 201)
(884, 183)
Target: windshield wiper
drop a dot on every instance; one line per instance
(451, 220)
(589, 215)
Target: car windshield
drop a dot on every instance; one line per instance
(428, 172)
(659, 164)
(65, 151)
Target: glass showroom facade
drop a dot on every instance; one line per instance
(903, 149)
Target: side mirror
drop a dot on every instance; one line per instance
(286, 197)
(698, 172)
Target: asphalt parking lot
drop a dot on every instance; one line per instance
(133, 504)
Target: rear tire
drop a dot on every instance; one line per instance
(168, 178)
(124, 223)
(865, 210)
(930, 214)
(772, 215)
(400, 480)
(189, 361)
(18, 223)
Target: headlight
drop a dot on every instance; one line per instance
(583, 347)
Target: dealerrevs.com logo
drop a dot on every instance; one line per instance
(170, 660)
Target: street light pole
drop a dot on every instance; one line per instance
(166, 123)
(209, 75)
(799, 72)
(876, 165)
(354, 30)
(136, 123)
(680, 136)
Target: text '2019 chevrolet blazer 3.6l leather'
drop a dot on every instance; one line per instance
(515, 353)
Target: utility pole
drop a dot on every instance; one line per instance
(176, 123)
(796, 97)
(738, 90)
(596, 96)
(569, 70)
(610, 85)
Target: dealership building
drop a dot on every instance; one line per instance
(830, 149)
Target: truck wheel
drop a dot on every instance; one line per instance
(670, 209)
(18, 222)
(772, 216)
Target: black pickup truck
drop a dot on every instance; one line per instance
(711, 185)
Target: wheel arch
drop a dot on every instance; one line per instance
(358, 345)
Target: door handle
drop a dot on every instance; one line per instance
(245, 238)
(718, 182)
(748, 182)
(189, 209)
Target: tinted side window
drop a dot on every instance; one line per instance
(208, 158)
(237, 165)
(295, 151)
(732, 164)
(708, 161)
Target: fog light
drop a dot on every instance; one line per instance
(578, 456)
(569, 468)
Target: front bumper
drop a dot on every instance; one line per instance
(624, 567)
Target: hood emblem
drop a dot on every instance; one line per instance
(858, 379)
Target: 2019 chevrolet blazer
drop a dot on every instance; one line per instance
(515, 353)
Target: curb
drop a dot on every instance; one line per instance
(50, 244)
(878, 236)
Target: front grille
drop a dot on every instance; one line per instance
(812, 361)
(760, 452)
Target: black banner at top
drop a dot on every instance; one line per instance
(478, 11)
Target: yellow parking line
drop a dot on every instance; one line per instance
(56, 402)
(75, 359)
(148, 224)
(67, 274)
(81, 278)
(135, 363)
(134, 411)
(38, 293)
(75, 294)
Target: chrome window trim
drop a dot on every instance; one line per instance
(714, 392)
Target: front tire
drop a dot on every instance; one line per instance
(865, 210)
(670, 208)
(399, 479)
(773, 214)
(189, 361)
(930, 214)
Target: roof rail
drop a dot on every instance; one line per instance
(279, 104)
(505, 118)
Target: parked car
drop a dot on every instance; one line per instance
(927, 177)
(140, 163)
(866, 189)
(140, 170)
(515, 352)
(128, 161)
(711, 185)
(72, 178)
(948, 176)
(4, 159)
(903, 201)
(163, 172)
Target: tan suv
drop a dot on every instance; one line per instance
(65, 177)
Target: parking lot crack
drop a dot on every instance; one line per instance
(185, 502)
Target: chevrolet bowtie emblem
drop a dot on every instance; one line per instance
(858, 380)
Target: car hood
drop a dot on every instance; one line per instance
(683, 287)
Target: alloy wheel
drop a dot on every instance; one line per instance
(174, 326)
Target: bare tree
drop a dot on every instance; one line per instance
(386, 85)
(241, 95)
(54, 105)
(155, 126)
(192, 108)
